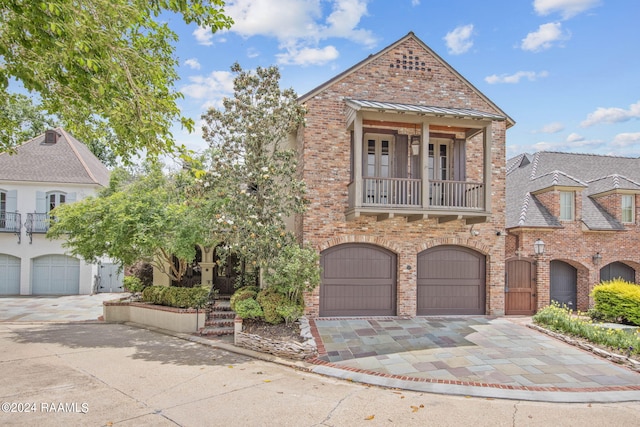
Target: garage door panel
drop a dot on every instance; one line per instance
(9, 275)
(358, 280)
(56, 275)
(451, 281)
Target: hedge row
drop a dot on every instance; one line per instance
(618, 300)
(172, 296)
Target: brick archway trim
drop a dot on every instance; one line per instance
(378, 241)
(455, 241)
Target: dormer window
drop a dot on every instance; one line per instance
(628, 208)
(567, 206)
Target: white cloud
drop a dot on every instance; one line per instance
(516, 77)
(252, 52)
(625, 140)
(415, 2)
(308, 56)
(567, 8)
(299, 25)
(203, 36)
(554, 127)
(211, 88)
(192, 63)
(579, 144)
(612, 115)
(544, 38)
(574, 137)
(459, 40)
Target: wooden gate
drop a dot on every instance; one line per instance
(520, 290)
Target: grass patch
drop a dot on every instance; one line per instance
(562, 320)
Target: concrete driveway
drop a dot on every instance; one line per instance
(93, 374)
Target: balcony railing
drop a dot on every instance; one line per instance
(10, 222)
(392, 192)
(407, 193)
(456, 194)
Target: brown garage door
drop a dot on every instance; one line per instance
(358, 280)
(451, 281)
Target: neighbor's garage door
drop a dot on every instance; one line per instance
(358, 280)
(451, 281)
(56, 275)
(617, 270)
(9, 275)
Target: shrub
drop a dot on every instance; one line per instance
(172, 296)
(143, 271)
(560, 319)
(248, 309)
(270, 299)
(133, 284)
(248, 292)
(619, 300)
(290, 312)
(294, 272)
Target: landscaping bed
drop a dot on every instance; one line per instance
(291, 342)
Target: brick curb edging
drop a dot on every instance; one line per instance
(322, 352)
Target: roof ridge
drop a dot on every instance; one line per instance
(525, 206)
(70, 141)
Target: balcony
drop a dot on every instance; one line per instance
(37, 223)
(445, 200)
(11, 222)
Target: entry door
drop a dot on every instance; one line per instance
(224, 277)
(111, 278)
(564, 284)
(520, 292)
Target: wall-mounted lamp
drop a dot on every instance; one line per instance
(538, 247)
(415, 145)
(474, 232)
(596, 258)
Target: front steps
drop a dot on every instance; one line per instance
(220, 318)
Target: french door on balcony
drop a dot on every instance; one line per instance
(378, 163)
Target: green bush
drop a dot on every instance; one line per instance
(248, 292)
(172, 296)
(270, 299)
(560, 319)
(294, 272)
(133, 284)
(248, 309)
(618, 300)
(290, 312)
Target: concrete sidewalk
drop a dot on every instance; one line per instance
(67, 308)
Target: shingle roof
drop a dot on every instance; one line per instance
(595, 174)
(463, 113)
(66, 161)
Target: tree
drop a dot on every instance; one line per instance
(251, 166)
(104, 67)
(21, 120)
(150, 217)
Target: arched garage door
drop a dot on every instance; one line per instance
(564, 284)
(9, 275)
(451, 281)
(617, 270)
(55, 275)
(358, 280)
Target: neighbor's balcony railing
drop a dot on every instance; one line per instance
(407, 193)
(37, 223)
(10, 222)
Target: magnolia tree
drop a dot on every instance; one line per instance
(252, 167)
(152, 217)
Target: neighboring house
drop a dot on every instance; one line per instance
(404, 162)
(47, 171)
(583, 207)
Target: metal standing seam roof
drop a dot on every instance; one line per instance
(458, 113)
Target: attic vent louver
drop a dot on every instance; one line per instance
(50, 137)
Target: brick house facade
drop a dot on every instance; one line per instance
(584, 208)
(404, 162)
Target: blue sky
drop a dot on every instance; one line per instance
(567, 71)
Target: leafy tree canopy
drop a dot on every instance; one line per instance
(21, 119)
(151, 217)
(106, 68)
